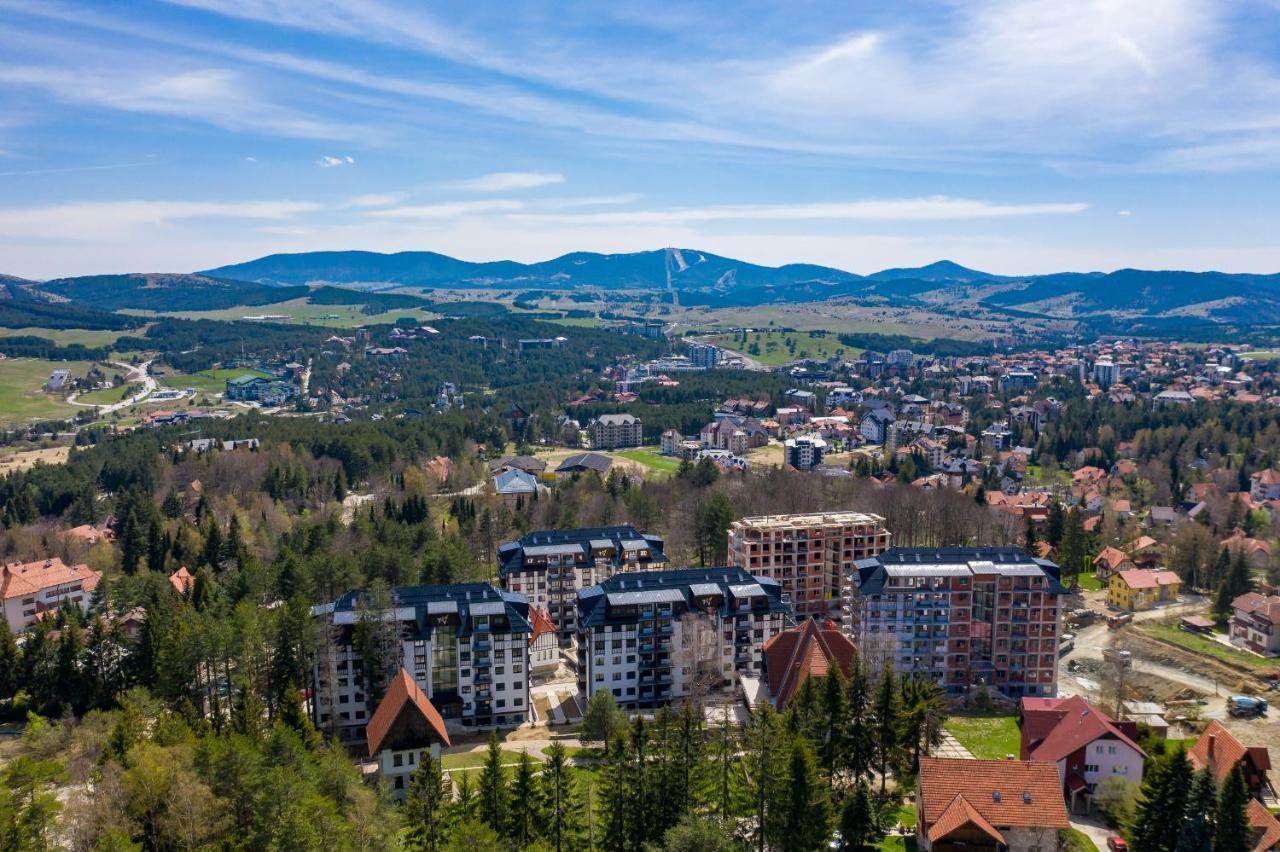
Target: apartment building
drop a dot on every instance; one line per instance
(33, 588)
(651, 636)
(611, 431)
(550, 566)
(965, 617)
(809, 555)
(465, 645)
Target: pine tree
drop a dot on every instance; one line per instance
(9, 664)
(858, 744)
(1231, 831)
(834, 724)
(212, 553)
(805, 811)
(1055, 526)
(1197, 823)
(426, 805)
(1166, 787)
(857, 818)
(1071, 554)
(766, 758)
(885, 711)
(493, 786)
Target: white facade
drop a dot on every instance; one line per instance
(398, 766)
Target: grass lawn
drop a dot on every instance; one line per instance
(776, 348)
(1082, 841)
(107, 396)
(1090, 582)
(22, 394)
(1198, 644)
(475, 759)
(896, 843)
(986, 737)
(301, 312)
(652, 459)
(207, 381)
(67, 336)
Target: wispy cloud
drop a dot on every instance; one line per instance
(97, 220)
(507, 181)
(55, 170)
(450, 209)
(330, 162)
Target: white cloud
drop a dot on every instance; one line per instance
(330, 162)
(508, 181)
(1124, 212)
(93, 221)
(449, 209)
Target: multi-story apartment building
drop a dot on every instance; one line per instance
(804, 452)
(33, 588)
(465, 645)
(809, 555)
(550, 566)
(610, 431)
(651, 636)
(965, 617)
(703, 355)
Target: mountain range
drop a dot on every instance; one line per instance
(693, 277)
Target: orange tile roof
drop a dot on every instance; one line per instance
(540, 619)
(402, 694)
(1219, 751)
(182, 580)
(1007, 793)
(1266, 829)
(1112, 557)
(807, 650)
(958, 814)
(1055, 728)
(1147, 578)
(28, 578)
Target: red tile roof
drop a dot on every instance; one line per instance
(540, 619)
(1112, 557)
(1266, 829)
(804, 651)
(959, 814)
(22, 579)
(1054, 728)
(182, 580)
(403, 694)
(1007, 793)
(1266, 606)
(1147, 578)
(1219, 751)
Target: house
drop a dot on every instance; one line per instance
(875, 424)
(516, 417)
(1264, 826)
(1256, 551)
(402, 731)
(1084, 743)
(31, 589)
(1008, 805)
(91, 534)
(58, 380)
(182, 580)
(515, 487)
(529, 464)
(1255, 623)
(802, 398)
(611, 431)
(1111, 561)
(1265, 485)
(1142, 588)
(1219, 751)
(583, 462)
(1162, 516)
(1145, 552)
(808, 650)
(544, 646)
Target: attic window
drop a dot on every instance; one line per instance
(1026, 797)
(995, 795)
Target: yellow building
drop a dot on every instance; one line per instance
(1142, 588)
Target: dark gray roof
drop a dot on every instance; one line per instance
(613, 601)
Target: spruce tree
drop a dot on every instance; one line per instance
(885, 720)
(834, 724)
(525, 809)
(804, 809)
(858, 743)
(561, 810)
(857, 818)
(1197, 823)
(1231, 831)
(425, 807)
(1166, 789)
(493, 786)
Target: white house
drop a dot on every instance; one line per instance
(33, 588)
(405, 727)
(1084, 743)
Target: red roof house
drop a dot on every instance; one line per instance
(807, 650)
(1219, 751)
(1084, 743)
(987, 804)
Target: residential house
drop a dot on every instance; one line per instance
(544, 644)
(1086, 745)
(1138, 589)
(516, 488)
(1218, 751)
(583, 462)
(810, 649)
(1265, 485)
(403, 731)
(1256, 551)
(1145, 552)
(989, 805)
(1111, 561)
(31, 589)
(1255, 623)
(182, 580)
(653, 636)
(91, 534)
(529, 464)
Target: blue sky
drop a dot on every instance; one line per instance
(1016, 136)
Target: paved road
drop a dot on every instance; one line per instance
(141, 373)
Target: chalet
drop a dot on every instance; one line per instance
(404, 729)
(1255, 623)
(1111, 561)
(1219, 751)
(1265, 485)
(1009, 805)
(808, 650)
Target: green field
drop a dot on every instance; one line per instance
(22, 397)
(303, 313)
(475, 759)
(107, 396)
(1198, 644)
(986, 737)
(207, 381)
(1089, 582)
(67, 336)
(775, 348)
(652, 459)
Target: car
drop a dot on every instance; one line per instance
(1116, 844)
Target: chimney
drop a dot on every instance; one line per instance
(1213, 739)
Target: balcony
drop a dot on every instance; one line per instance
(484, 677)
(482, 644)
(483, 662)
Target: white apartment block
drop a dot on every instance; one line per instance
(31, 589)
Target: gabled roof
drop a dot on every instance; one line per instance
(182, 580)
(1266, 829)
(1265, 606)
(23, 579)
(1054, 728)
(1147, 578)
(959, 814)
(1006, 793)
(1219, 751)
(807, 650)
(541, 622)
(1112, 557)
(405, 717)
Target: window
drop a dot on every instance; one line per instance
(397, 759)
(1091, 767)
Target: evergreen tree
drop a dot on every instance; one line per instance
(10, 664)
(857, 818)
(805, 822)
(766, 757)
(714, 516)
(1196, 834)
(525, 810)
(1237, 582)
(1231, 831)
(834, 724)
(556, 794)
(493, 786)
(1071, 554)
(425, 807)
(1166, 787)
(859, 750)
(1055, 524)
(886, 732)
